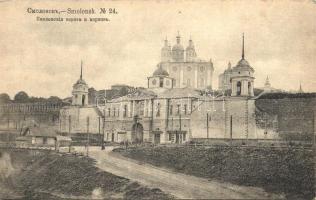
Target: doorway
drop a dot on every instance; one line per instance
(157, 138)
(137, 133)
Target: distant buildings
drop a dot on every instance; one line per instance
(167, 111)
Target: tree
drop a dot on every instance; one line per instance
(54, 99)
(21, 97)
(4, 98)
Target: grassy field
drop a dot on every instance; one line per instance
(44, 175)
(284, 171)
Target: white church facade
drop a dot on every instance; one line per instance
(168, 111)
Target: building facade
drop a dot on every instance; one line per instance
(183, 65)
(166, 113)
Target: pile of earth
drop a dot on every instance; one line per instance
(284, 171)
(48, 175)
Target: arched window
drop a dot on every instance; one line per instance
(160, 82)
(158, 110)
(238, 88)
(249, 88)
(188, 82)
(83, 99)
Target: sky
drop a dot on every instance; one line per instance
(43, 58)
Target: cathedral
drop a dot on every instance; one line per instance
(184, 67)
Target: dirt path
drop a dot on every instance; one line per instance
(177, 184)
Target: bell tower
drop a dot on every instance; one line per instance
(242, 79)
(166, 52)
(80, 92)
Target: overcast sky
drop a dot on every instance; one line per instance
(43, 58)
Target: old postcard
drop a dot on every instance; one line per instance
(178, 99)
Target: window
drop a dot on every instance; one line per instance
(189, 68)
(125, 111)
(202, 82)
(114, 112)
(83, 99)
(170, 110)
(160, 82)
(238, 88)
(158, 110)
(174, 68)
(185, 109)
(178, 109)
(118, 112)
(154, 82)
(44, 140)
(202, 68)
(189, 82)
(109, 112)
(249, 88)
(167, 82)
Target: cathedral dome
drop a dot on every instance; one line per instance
(177, 47)
(160, 72)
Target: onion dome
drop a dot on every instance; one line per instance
(160, 72)
(166, 45)
(178, 46)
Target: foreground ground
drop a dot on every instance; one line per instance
(285, 171)
(48, 175)
(178, 184)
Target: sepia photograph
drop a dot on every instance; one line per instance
(149, 99)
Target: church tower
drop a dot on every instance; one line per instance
(80, 92)
(166, 52)
(178, 51)
(242, 78)
(190, 52)
(160, 80)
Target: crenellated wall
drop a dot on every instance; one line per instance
(18, 115)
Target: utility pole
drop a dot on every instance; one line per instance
(231, 130)
(207, 133)
(99, 127)
(314, 135)
(180, 141)
(88, 135)
(69, 124)
(102, 146)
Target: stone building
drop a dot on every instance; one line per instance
(166, 113)
(186, 69)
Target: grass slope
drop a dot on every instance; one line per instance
(56, 176)
(287, 171)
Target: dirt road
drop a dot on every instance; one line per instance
(177, 184)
